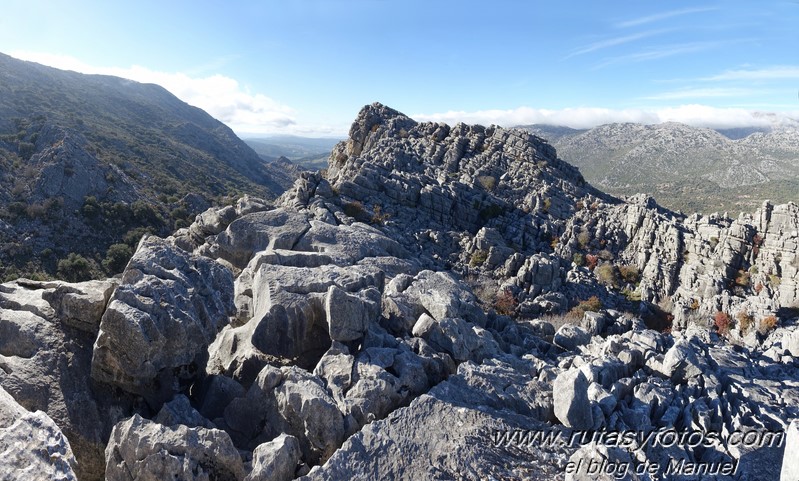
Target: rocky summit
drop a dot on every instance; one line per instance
(442, 302)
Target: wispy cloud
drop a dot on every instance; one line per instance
(663, 15)
(581, 118)
(698, 93)
(222, 97)
(659, 52)
(612, 42)
(779, 72)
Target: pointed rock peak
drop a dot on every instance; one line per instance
(379, 120)
(378, 111)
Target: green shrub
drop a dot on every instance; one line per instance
(632, 295)
(145, 213)
(133, 236)
(578, 259)
(605, 255)
(490, 211)
(478, 258)
(592, 304)
(74, 268)
(487, 181)
(91, 208)
(583, 238)
(117, 258)
(355, 210)
(629, 273)
(606, 274)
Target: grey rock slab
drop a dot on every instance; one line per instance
(45, 365)
(255, 232)
(569, 337)
(570, 399)
(681, 362)
(32, 446)
(790, 462)
(435, 439)
(450, 335)
(348, 315)
(180, 411)
(597, 462)
(305, 410)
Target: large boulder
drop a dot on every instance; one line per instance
(304, 409)
(287, 400)
(681, 362)
(169, 307)
(456, 337)
(276, 460)
(147, 451)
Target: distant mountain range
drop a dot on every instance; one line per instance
(87, 161)
(685, 168)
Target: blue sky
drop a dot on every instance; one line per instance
(306, 67)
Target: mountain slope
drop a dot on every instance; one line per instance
(78, 151)
(687, 168)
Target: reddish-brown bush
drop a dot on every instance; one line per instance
(722, 322)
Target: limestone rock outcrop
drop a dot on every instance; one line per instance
(167, 309)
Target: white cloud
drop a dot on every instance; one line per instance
(612, 42)
(582, 118)
(222, 97)
(780, 72)
(662, 16)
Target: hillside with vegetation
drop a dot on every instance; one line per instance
(90, 162)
